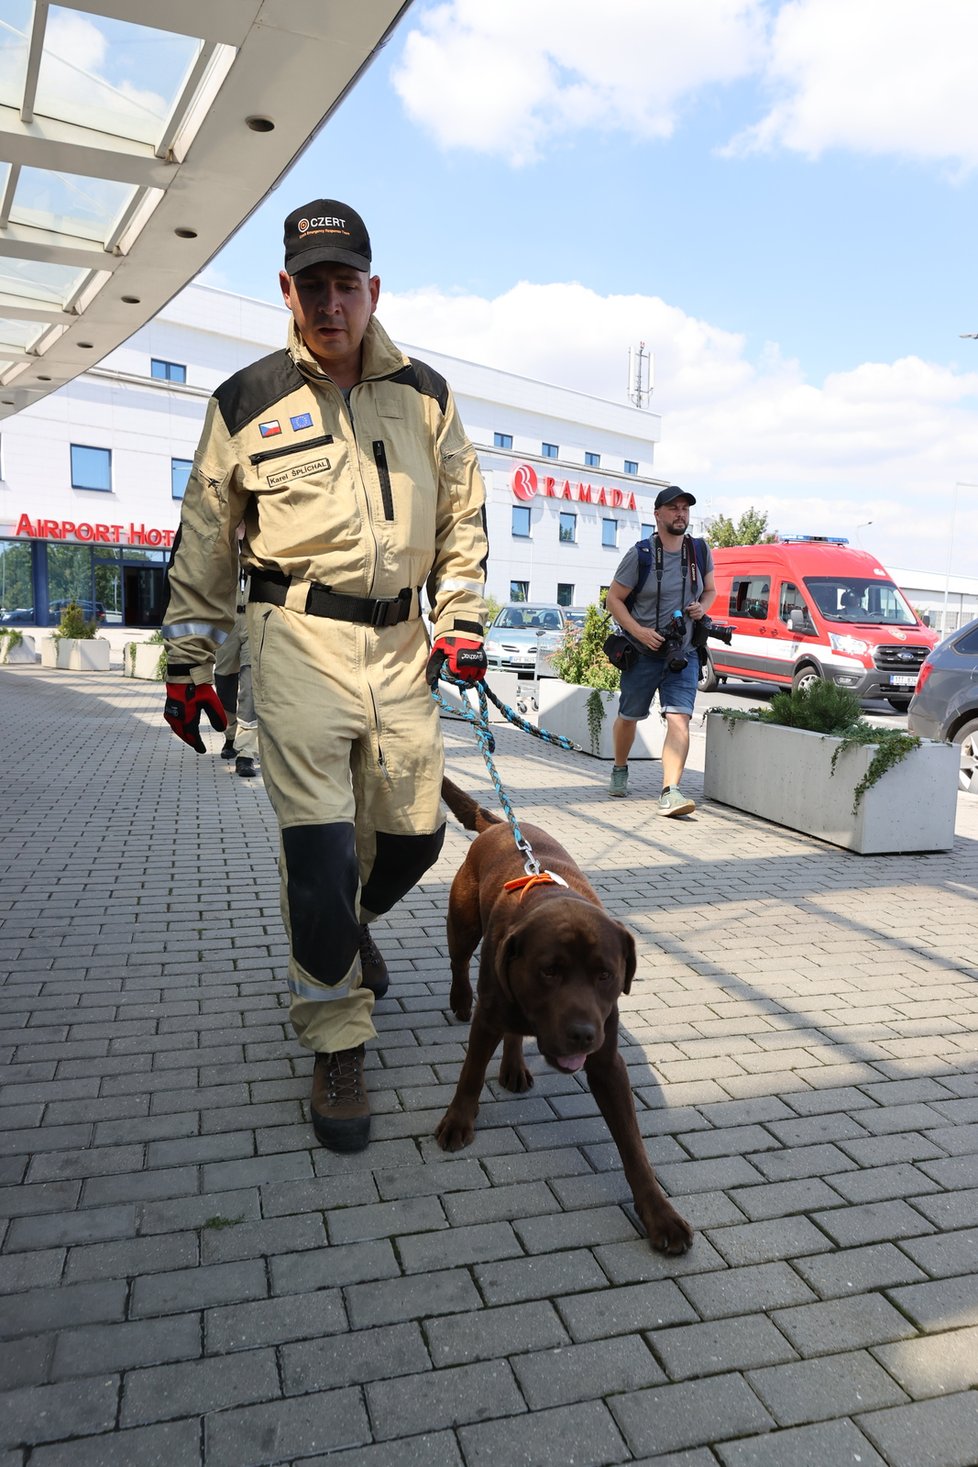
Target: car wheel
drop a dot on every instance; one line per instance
(967, 737)
(804, 678)
(708, 679)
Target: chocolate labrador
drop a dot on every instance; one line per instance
(553, 965)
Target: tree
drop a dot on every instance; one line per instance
(721, 532)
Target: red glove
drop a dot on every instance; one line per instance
(466, 660)
(185, 702)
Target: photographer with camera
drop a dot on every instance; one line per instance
(661, 590)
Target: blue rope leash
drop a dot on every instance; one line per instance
(480, 723)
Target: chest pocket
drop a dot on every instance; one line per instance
(278, 466)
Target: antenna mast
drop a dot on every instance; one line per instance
(639, 385)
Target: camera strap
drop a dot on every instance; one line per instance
(684, 563)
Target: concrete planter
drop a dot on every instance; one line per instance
(785, 775)
(21, 651)
(143, 660)
(564, 710)
(75, 654)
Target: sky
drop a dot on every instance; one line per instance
(778, 199)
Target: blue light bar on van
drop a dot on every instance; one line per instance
(813, 540)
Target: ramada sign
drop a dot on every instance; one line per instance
(526, 485)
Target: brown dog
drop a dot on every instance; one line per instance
(553, 965)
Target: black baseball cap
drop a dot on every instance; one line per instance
(666, 496)
(325, 230)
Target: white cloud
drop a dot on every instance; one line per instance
(869, 76)
(510, 77)
(872, 76)
(884, 442)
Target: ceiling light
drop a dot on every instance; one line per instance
(260, 124)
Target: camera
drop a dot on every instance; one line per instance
(673, 637)
(705, 627)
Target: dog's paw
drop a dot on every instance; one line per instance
(667, 1230)
(516, 1078)
(453, 1132)
(460, 1001)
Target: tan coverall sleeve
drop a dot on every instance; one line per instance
(203, 574)
(456, 585)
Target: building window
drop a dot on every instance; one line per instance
(631, 467)
(568, 528)
(91, 468)
(521, 521)
(179, 474)
(167, 371)
(519, 590)
(647, 532)
(565, 594)
(592, 460)
(549, 450)
(609, 534)
(502, 440)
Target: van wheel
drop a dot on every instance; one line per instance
(708, 679)
(900, 704)
(804, 677)
(967, 737)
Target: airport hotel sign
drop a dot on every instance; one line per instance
(83, 532)
(527, 484)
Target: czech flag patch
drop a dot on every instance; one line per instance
(303, 420)
(269, 429)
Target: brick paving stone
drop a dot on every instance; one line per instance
(818, 1390)
(616, 1311)
(838, 1324)
(636, 1262)
(507, 1331)
(931, 1306)
(327, 1421)
(744, 1290)
(68, 1408)
(541, 1439)
(246, 1326)
(778, 1199)
(693, 1413)
(432, 1449)
(722, 1345)
(763, 1242)
(196, 1288)
(829, 1444)
(170, 1444)
(538, 1278)
(395, 1300)
(951, 1253)
(936, 1433)
(872, 1222)
(70, 1304)
(562, 1375)
(441, 1398)
(126, 1345)
(863, 1270)
(323, 1268)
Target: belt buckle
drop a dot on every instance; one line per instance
(382, 605)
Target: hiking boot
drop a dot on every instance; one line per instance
(618, 788)
(227, 749)
(372, 965)
(246, 767)
(672, 801)
(339, 1104)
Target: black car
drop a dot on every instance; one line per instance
(90, 610)
(945, 701)
(19, 616)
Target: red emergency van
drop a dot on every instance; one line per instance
(811, 606)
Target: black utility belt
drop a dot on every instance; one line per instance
(387, 611)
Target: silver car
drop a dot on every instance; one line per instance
(523, 631)
(945, 702)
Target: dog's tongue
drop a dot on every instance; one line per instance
(571, 1061)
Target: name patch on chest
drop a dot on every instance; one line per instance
(297, 471)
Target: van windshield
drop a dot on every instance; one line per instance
(852, 599)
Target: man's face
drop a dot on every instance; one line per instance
(673, 519)
(332, 305)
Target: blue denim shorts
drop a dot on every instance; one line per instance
(650, 675)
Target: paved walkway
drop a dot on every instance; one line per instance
(187, 1280)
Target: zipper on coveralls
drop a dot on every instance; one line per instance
(259, 458)
(380, 747)
(383, 473)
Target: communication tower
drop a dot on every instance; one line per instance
(640, 375)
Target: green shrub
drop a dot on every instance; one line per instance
(580, 657)
(74, 625)
(13, 635)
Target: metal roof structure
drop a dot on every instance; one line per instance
(135, 137)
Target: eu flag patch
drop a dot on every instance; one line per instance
(303, 420)
(269, 429)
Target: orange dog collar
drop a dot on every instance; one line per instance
(523, 884)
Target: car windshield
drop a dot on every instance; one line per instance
(863, 601)
(528, 618)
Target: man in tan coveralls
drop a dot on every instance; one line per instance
(358, 489)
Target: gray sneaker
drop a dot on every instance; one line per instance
(672, 801)
(618, 788)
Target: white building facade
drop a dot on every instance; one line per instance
(91, 477)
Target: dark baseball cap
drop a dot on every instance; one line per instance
(666, 496)
(326, 230)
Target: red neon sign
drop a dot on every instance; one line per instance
(526, 484)
(131, 534)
